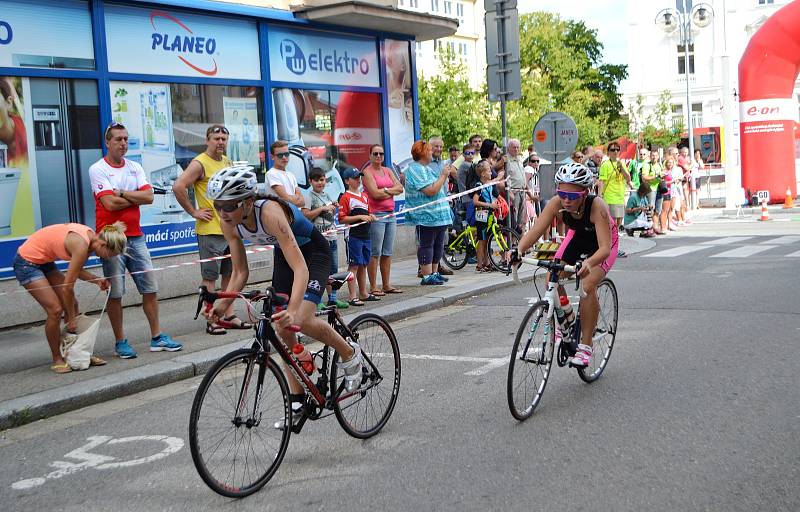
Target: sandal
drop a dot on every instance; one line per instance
(377, 293)
(215, 330)
(241, 324)
(61, 368)
(392, 290)
(356, 302)
(370, 298)
(96, 361)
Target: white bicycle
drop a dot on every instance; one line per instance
(535, 344)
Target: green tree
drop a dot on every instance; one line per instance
(448, 106)
(656, 128)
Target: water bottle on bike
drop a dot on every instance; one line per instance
(304, 357)
(569, 314)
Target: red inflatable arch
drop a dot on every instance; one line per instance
(768, 111)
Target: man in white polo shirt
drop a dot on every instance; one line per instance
(119, 187)
(282, 183)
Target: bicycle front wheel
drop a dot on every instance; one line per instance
(604, 333)
(364, 413)
(531, 361)
(499, 245)
(456, 254)
(234, 444)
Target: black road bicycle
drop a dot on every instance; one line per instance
(233, 435)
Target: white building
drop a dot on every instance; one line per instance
(656, 63)
(468, 43)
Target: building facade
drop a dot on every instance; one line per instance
(468, 43)
(656, 63)
(332, 78)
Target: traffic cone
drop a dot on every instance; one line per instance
(789, 201)
(764, 211)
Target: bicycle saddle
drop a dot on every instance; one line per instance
(337, 280)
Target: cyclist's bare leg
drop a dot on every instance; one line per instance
(318, 329)
(590, 307)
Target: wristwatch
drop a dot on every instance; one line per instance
(386, 191)
(121, 193)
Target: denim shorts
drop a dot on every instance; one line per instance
(381, 235)
(136, 259)
(28, 272)
(358, 251)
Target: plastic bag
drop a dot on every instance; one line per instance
(78, 348)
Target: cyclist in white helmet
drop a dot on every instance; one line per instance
(592, 231)
(300, 269)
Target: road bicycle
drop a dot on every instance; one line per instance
(237, 432)
(464, 245)
(536, 344)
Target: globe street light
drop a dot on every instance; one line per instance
(683, 19)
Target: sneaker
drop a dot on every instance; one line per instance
(472, 260)
(621, 254)
(164, 342)
(124, 350)
(297, 413)
(321, 306)
(431, 279)
(440, 277)
(583, 357)
(352, 368)
(445, 271)
(341, 304)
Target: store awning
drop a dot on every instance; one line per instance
(356, 14)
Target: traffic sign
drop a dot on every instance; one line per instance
(555, 136)
(502, 50)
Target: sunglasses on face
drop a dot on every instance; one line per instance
(613, 149)
(535, 161)
(469, 153)
(219, 129)
(229, 207)
(284, 154)
(377, 154)
(572, 196)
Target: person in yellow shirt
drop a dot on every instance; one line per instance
(210, 240)
(614, 181)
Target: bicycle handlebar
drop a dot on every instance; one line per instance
(552, 265)
(207, 299)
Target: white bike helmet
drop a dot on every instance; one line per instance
(575, 173)
(236, 182)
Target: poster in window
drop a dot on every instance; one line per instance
(400, 100)
(156, 117)
(241, 120)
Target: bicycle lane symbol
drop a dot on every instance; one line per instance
(101, 462)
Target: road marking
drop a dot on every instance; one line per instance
(793, 255)
(783, 240)
(743, 252)
(676, 251)
(727, 240)
(489, 363)
(98, 461)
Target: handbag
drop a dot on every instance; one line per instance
(77, 349)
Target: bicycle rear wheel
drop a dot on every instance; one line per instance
(498, 246)
(531, 361)
(456, 254)
(364, 413)
(604, 333)
(233, 442)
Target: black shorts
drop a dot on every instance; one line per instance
(576, 247)
(317, 254)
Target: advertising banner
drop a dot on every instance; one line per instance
(155, 41)
(317, 58)
(241, 119)
(55, 34)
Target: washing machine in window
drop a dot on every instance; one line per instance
(9, 182)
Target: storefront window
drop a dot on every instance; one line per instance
(326, 129)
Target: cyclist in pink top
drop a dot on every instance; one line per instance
(35, 269)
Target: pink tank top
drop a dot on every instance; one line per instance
(382, 180)
(47, 244)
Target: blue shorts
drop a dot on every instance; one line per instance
(334, 245)
(28, 272)
(135, 259)
(359, 251)
(381, 235)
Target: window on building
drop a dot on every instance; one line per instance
(462, 50)
(418, 48)
(460, 13)
(448, 7)
(682, 60)
(435, 5)
(413, 3)
(452, 46)
(401, 3)
(766, 2)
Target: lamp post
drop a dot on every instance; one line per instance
(683, 18)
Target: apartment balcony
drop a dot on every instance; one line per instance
(679, 120)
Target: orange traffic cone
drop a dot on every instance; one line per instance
(789, 201)
(764, 211)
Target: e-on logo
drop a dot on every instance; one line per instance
(6, 34)
(331, 61)
(190, 44)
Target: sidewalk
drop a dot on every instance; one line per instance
(29, 390)
(747, 213)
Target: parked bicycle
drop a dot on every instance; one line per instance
(237, 427)
(536, 343)
(464, 245)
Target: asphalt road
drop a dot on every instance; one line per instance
(697, 410)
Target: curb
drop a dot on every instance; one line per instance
(30, 408)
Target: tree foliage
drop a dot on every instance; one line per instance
(561, 69)
(656, 128)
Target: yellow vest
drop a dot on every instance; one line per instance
(210, 167)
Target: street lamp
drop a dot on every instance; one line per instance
(682, 19)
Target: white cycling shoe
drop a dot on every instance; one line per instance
(353, 369)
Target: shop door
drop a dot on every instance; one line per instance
(66, 124)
